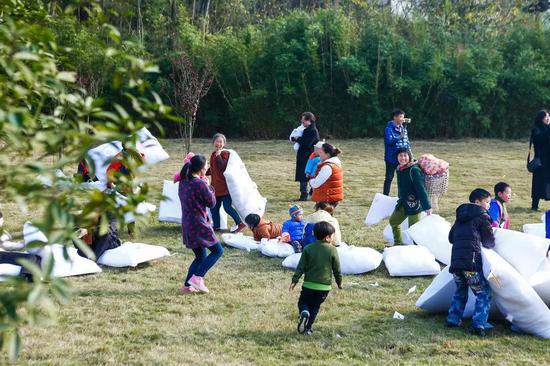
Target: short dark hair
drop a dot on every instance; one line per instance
(322, 229)
(252, 220)
(404, 150)
(500, 187)
(478, 194)
(308, 116)
(396, 112)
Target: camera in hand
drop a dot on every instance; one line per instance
(406, 120)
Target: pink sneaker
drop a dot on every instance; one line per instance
(198, 283)
(187, 290)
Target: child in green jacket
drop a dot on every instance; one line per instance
(412, 195)
(319, 261)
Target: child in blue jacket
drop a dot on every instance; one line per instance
(293, 229)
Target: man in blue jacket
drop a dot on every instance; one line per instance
(395, 137)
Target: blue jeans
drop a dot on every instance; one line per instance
(482, 291)
(226, 200)
(202, 262)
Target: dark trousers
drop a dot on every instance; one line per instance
(227, 206)
(202, 262)
(311, 301)
(12, 258)
(390, 172)
(303, 187)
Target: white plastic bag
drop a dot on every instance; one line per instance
(410, 260)
(357, 260)
(540, 282)
(32, 234)
(274, 248)
(514, 297)
(170, 207)
(240, 241)
(8, 269)
(132, 254)
(297, 132)
(244, 192)
(535, 229)
(75, 265)
(382, 206)
(523, 251)
(101, 157)
(150, 147)
(432, 232)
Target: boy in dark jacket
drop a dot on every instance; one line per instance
(319, 262)
(471, 230)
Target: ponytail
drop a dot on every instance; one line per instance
(331, 150)
(195, 165)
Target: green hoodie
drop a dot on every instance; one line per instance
(319, 262)
(411, 190)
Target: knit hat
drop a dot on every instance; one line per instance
(294, 211)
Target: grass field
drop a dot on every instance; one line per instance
(136, 316)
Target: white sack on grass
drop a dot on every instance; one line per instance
(388, 234)
(516, 300)
(31, 234)
(353, 260)
(274, 248)
(523, 251)
(143, 208)
(244, 192)
(132, 254)
(150, 147)
(75, 265)
(170, 207)
(357, 260)
(432, 232)
(8, 270)
(240, 241)
(540, 282)
(535, 229)
(382, 206)
(410, 260)
(101, 157)
(438, 295)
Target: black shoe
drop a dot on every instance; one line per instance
(303, 197)
(478, 332)
(297, 247)
(302, 322)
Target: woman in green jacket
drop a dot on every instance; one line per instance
(412, 195)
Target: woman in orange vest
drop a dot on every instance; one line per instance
(328, 184)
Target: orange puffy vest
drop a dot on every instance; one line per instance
(333, 189)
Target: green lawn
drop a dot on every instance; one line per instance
(137, 316)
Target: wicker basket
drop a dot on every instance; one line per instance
(436, 186)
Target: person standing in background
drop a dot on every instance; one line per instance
(309, 138)
(395, 137)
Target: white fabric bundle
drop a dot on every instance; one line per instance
(297, 132)
(240, 241)
(9, 270)
(150, 147)
(410, 260)
(517, 301)
(170, 206)
(274, 248)
(244, 192)
(353, 260)
(357, 260)
(32, 234)
(535, 229)
(132, 254)
(75, 265)
(101, 157)
(143, 208)
(523, 251)
(438, 295)
(432, 232)
(540, 281)
(382, 206)
(388, 233)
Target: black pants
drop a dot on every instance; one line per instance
(12, 257)
(390, 171)
(311, 301)
(303, 187)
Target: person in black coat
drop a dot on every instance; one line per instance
(471, 230)
(540, 136)
(308, 139)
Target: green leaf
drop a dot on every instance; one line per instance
(14, 345)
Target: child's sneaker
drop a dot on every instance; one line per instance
(198, 283)
(302, 322)
(308, 332)
(187, 290)
(240, 228)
